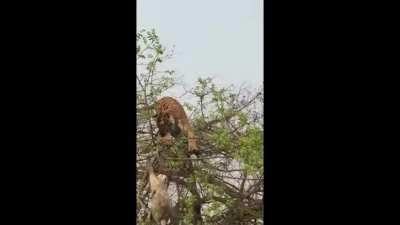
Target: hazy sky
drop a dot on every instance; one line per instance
(218, 38)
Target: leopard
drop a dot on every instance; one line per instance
(172, 121)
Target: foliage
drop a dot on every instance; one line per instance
(226, 181)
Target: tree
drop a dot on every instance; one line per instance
(225, 184)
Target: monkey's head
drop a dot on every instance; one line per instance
(158, 182)
(163, 181)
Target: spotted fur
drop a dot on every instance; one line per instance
(172, 121)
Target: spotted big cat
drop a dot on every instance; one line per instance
(172, 121)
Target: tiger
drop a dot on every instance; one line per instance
(172, 121)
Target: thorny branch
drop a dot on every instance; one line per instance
(217, 168)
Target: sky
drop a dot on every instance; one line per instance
(212, 38)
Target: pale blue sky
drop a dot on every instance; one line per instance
(218, 38)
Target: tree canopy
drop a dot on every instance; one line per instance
(224, 185)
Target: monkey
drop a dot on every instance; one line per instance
(160, 209)
(172, 121)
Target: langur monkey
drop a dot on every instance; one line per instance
(160, 208)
